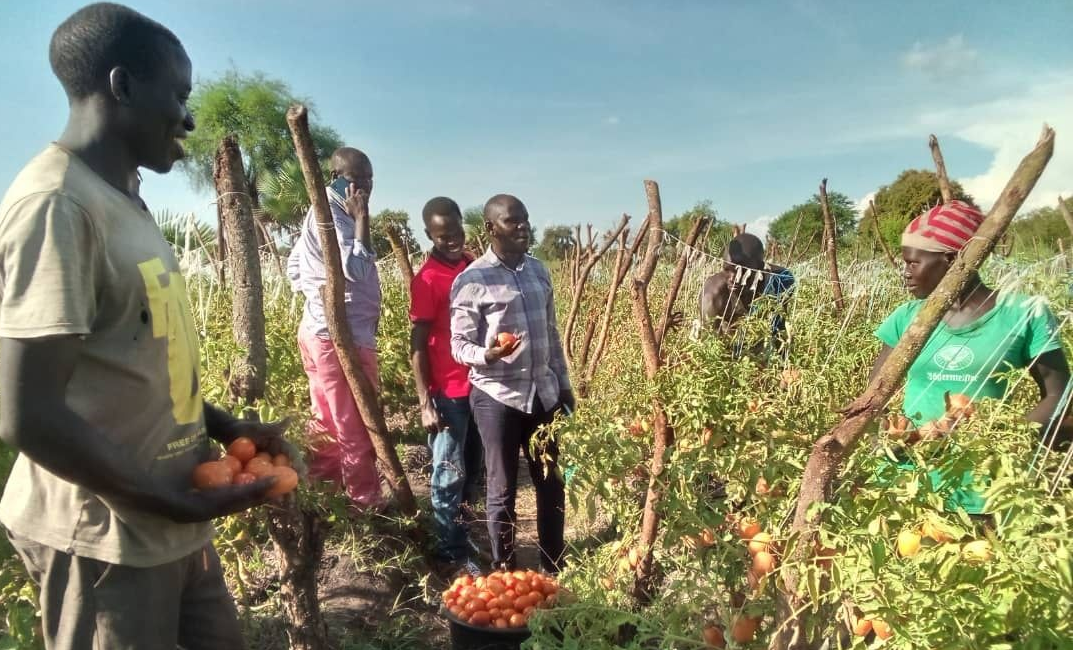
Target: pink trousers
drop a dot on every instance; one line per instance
(340, 446)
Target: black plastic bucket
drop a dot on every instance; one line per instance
(470, 637)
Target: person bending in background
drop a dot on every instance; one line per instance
(732, 293)
(342, 451)
(517, 385)
(982, 335)
(443, 384)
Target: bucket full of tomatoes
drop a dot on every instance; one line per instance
(492, 612)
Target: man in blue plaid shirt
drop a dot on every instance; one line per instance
(518, 386)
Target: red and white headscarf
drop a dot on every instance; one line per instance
(945, 228)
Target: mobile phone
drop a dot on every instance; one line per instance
(340, 185)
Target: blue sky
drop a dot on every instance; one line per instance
(570, 105)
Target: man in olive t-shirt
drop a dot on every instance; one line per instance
(99, 386)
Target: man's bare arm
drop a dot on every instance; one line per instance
(36, 420)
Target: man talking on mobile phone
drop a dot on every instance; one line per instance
(342, 451)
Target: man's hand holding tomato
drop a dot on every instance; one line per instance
(505, 345)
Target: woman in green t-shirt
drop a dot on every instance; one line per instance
(982, 335)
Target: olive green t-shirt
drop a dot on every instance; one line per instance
(968, 360)
(78, 257)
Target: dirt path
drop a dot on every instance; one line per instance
(525, 536)
(369, 598)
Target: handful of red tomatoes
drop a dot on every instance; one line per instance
(503, 599)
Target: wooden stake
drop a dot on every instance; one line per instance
(832, 254)
(831, 450)
(249, 367)
(221, 243)
(579, 289)
(879, 236)
(676, 283)
(576, 265)
(793, 240)
(1066, 214)
(365, 394)
(402, 256)
(940, 169)
(623, 260)
(663, 435)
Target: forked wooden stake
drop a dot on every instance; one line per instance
(579, 288)
(663, 435)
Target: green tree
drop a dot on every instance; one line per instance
(476, 235)
(1039, 230)
(400, 219)
(182, 229)
(898, 203)
(284, 195)
(556, 244)
(254, 109)
(473, 223)
(810, 214)
(679, 225)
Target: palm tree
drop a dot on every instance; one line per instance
(284, 198)
(473, 223)
(185, 233)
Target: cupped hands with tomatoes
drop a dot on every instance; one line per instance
(503, 599)
(243, 464)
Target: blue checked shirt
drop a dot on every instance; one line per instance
(488, 298)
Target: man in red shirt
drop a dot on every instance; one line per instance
(443, 384)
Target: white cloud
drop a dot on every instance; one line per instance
(940, 61)
(612, 120)
(759, 226)
(1009, 127)
(862, 204)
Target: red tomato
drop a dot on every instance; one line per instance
(242, 448)
(481, 619)
(232, 462)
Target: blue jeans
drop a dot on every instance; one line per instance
(456, 466)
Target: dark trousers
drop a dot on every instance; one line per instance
(88, 604)
(505, 431)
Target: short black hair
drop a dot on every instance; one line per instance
(746, 250)
(99, 37)
(500, 200)
(442, 206)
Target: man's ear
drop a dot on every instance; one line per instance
(120, 85)
(488, 227)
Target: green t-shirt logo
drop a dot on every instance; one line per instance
(954, 357)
